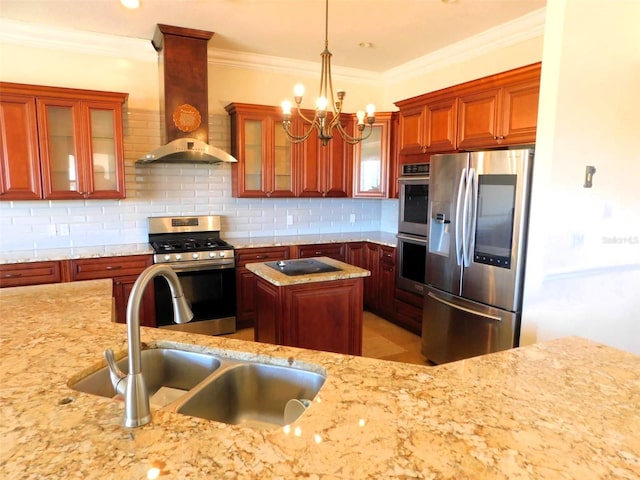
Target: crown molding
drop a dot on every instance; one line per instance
(272, 64)
(77, 41)
(511, 33)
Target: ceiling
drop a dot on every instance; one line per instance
(398, 30)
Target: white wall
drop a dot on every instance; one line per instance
(583, 265)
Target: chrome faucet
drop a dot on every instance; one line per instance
(131, 386)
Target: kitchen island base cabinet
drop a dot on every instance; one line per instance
(320, 316)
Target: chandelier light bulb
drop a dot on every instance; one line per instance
(286, 107)
(371, 110)
(360, 115)
(321, 103)
(298, 90)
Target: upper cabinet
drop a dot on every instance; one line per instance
(371, 159)
(501, 115)
(499, 110)
(325, 170)
(60, 143)
(428, 124)
(270, 165)
(266, 166)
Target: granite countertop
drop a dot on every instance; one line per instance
(346, 271)
(19, 256)
(569, 408)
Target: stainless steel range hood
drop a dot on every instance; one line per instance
(187, 150)
(184, 103)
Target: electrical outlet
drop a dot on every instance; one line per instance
(352, 218)
(289, 219)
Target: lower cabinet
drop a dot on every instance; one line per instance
(246, 283)
(321, 316)
(123, 271)
(408, 310)
(31, 273)
(331, 250)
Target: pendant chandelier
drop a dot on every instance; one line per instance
(322, 122)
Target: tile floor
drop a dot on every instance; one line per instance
(380, 339)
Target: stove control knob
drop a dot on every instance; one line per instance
(223, 254)
(212, 254)
(167, 258)
(178, 257)
(195, 256)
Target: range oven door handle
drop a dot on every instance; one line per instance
(412, 238)
(201, 265)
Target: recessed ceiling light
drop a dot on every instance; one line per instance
(132, 4)
(366, 44)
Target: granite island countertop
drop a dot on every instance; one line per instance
(569, 408)
(276, 277)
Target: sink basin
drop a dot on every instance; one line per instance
(251, 394)
(176, 370)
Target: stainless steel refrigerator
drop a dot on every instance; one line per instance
(478, 214)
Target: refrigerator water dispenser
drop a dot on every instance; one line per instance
(440, 235)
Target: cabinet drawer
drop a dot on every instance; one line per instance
(266, 254)
(388, 256)
(34, 273)
(331, 250)
(108, 267)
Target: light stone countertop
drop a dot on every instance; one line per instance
(280, 279)
(20, 256)
(566, 409)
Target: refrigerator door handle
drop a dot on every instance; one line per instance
(459, 215)
(464, 309)
(469, 214)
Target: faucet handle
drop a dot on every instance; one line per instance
(115, 374)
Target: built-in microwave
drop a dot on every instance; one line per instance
(413, 195)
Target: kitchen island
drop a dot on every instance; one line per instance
(309, 303)
(569, 408)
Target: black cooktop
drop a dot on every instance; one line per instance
(301, 267)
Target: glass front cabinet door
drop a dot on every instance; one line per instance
(81, 149)
(371, 160)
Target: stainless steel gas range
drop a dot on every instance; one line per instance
(205, 265)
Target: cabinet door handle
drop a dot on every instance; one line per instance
(113, 267)
(12, 275)
(259, 257)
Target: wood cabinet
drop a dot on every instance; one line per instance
(408, 310)
(123, 271)
(331, 250)
(60, 143)
(325, 170)
(269, 165)
(506, 114)
(371, 160)
(266, 166)
(321, 315)
(20, 177)
(246, 282)
(428, 124)
(498, 110)
(31, 273)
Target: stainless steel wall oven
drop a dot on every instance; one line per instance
(205, 265)
(413, 226)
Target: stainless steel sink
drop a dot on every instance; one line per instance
(252, 394)
(161, 367)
